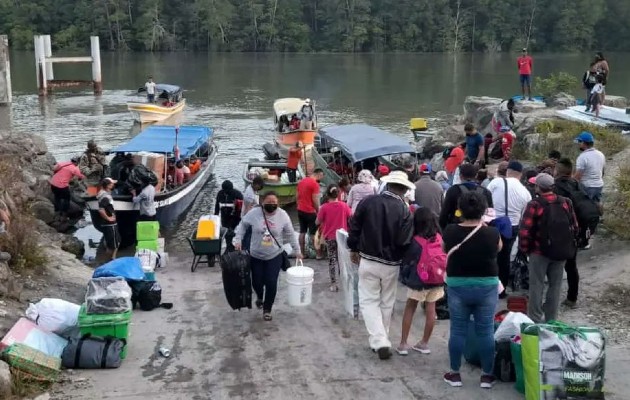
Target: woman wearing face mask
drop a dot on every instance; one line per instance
(271, 229)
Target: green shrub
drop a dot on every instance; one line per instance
(556, 83)
(560, 135)
(617, 204)
(20, 241)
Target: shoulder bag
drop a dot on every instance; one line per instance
(286, 262)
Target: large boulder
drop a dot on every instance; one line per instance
(562, 100)
(479, 110)
(615, 101)
(73, 245)
(5, 381)
(529, 106)
(525, 123)
(43, 209)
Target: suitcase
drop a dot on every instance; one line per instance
(237, 281)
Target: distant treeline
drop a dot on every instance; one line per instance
(322, 25)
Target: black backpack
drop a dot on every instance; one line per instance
(447, 152)
(557, 236)
(147, 295)
(586, 210)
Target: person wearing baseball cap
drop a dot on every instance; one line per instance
(106, 220)
(379, 233)
(547, 234)
(429, 193)
(589, 166)
(510, 197)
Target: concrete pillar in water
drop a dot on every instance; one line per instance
(5, 71)
(96, 64)
(48, 53)
(40, 65)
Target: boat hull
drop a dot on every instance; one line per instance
(169, 206)
(148, 112)
(287, 192)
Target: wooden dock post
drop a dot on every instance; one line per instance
(96, 65)
(5, 72)
(44, 61)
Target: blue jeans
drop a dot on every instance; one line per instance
(594, 193)
(265, 279)
(481, 303)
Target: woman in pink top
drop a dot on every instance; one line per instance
(361, 190)
(332, 216)
(60, 184)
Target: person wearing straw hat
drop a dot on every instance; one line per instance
(379, 234)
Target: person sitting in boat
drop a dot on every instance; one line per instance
(93, 164)
(283, 123)
(179, 173)
(294, 125)
(308, 115)
(195, 165)
(171, 173)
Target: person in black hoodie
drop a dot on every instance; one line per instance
(228, 206)
(587, 214)
(468, 174)
(380, 232)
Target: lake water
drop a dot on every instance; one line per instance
(233, 93)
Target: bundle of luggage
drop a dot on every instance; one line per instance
(93, 335)
(546, 361)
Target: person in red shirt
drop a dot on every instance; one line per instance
(525, 63)
(60, 184)
(332, 216)
(294, 124)
(308, 205)
(293, 161)
(454, 160)
(506, 137)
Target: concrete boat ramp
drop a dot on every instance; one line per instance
(313, 353)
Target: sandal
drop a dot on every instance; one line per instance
(421, 348)
(402, 350)
(267, 317)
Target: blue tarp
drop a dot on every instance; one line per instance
(360, 142)
(129, 268)
(161, 139)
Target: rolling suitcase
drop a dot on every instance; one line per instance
(237, 281)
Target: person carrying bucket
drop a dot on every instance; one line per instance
(380, 232)
(269, 225)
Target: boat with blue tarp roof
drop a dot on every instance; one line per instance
(157, 149)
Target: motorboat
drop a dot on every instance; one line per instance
(168, 102)
(157, 148)
(286, 135)
(276, 178)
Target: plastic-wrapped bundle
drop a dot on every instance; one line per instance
(109, 295)
(140, 176)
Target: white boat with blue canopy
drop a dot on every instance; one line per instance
(344, 149)
(195, 146)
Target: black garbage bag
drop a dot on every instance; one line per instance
(140, 176)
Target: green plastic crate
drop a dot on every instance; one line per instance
(148, 244)
(102, 325)
(147, 230)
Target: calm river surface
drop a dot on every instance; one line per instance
(233, 93)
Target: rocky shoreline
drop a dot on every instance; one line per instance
(25, 193)
(479, 112)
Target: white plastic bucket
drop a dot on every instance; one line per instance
(300, 285)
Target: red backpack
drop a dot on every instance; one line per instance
(432, 263)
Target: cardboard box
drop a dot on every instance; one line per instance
(155, 162)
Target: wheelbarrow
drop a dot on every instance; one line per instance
(205, 251)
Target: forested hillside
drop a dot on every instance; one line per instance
(323, 25)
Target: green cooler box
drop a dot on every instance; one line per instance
(102, 325)
(147, 230)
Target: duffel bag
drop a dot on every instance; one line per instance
(89, 352)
